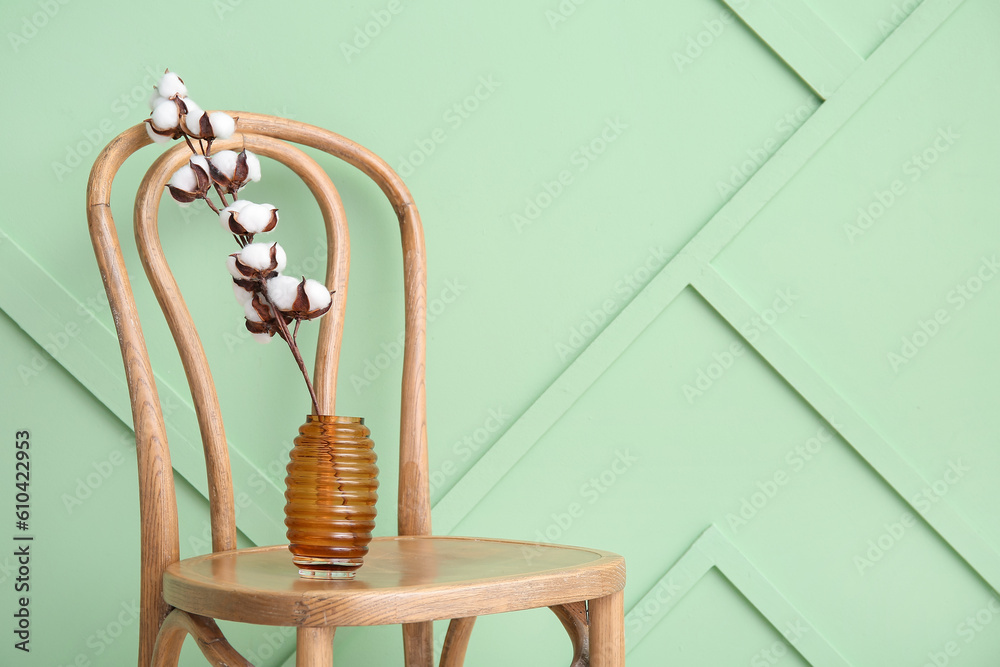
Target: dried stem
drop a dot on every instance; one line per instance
(222, 196)
(243, 241)
(283, 329)
(211, 205)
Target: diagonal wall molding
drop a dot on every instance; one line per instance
(803, 40)
(942, 516)
(681, 270)
(713, 549)
(89, 351)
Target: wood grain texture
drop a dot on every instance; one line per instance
(607, 630)
(456, 641)
(157, 499)
(573, 616)
(404, 580)
(418, 644)
(207, 635)
(314, 647)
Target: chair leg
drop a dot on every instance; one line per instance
(607, 631)
(314, 647)
(574, 618)
(457, 641)
(418, 644)
(206, 633)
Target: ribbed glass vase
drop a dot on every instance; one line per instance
(331, 491)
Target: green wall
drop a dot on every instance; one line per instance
(711, 286)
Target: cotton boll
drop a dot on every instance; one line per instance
(158, 138)
(223, 125)
(251, 312)
(256, 217)
(282, 290)
(258, 256)
(231, 265)
(165, 115)
(262, 338)
(318, 294)
(243, 296)
(184, 179)
(253, 166)
(236, 207)
(281, 259)
(156, 100)
(170, 84)
(225, 162)
(201, 161)
(192, 119)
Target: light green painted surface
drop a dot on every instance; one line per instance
(690, 351)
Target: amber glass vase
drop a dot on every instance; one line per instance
(331, 491)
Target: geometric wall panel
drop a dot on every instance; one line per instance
(711, 285)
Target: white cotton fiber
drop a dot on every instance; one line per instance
(223, 125)
(170, 84)
(184, 179)
(231, 265)
(253, 166)
(158, 138)
(243, 296)
(192, 119)
(319, 295)
(165, 116)
(258, 256)
(236, 206)
(255, 217)
(225, 161)
(250, 312)
(156, 100)
(201, 161)
(282, 290)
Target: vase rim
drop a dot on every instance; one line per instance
(334, 419)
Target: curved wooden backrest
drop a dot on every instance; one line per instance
(265, 135)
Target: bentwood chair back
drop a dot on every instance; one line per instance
(454, 578)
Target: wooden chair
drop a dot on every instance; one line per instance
(411, 579)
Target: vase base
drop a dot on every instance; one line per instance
(327, 568)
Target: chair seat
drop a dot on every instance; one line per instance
(403, 580)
